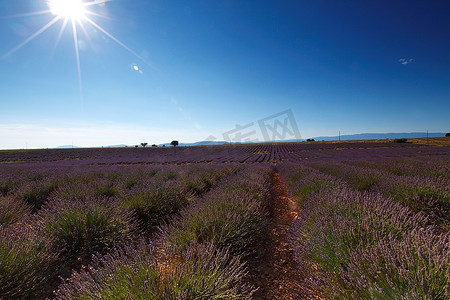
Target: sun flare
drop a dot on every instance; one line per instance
(79, 16)
(69, 9)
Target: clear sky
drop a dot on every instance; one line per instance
(154, 70)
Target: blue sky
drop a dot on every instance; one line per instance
(193, 69)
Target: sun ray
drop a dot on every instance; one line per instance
(58, 38)
(96, 2)
(84, 31)
(98, 15)
(30, 38)
(77, 55)
(33, 13)
(116, 40)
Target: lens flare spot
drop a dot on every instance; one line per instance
(82, 45)
(136, 68)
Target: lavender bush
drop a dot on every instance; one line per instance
(81, 228)
(171, 191)
(27, 263)
(305, 182)
(185, 264)
(362, 245)
(36, 193)
(232, 216)
(233, 220)
(431, 167)
(153, 203)
(413, 267)
(140, 272)
(431, 196)
(7, 185)
(12, 210)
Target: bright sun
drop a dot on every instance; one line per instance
(69, 9)
(76, 14)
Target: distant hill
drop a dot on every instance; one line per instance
(66, 147)
(201, 143)
(118, 146)
(379, 136)
(111, 146)
(346, 137)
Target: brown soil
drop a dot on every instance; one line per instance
(273, 269)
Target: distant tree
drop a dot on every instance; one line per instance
(164, 146)
(174, 143)
(154, 145)
(143, 144)
(136, 146)
(447, 134)
(310, 140)
(400, 140)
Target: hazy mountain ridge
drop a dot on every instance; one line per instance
(345, 137)
(380, 136)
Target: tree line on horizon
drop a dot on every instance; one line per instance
(173, 143)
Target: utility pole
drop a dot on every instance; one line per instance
(339, 135)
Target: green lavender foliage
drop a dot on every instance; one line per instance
(28, 262)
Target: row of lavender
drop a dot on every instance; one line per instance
(423, 186)
(26, 188)
(52, 220)
(248, 153)
(434, 167)
(360, 244)
(199, 254)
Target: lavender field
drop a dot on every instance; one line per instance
(353, 220)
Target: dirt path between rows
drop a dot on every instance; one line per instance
(273, 269)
